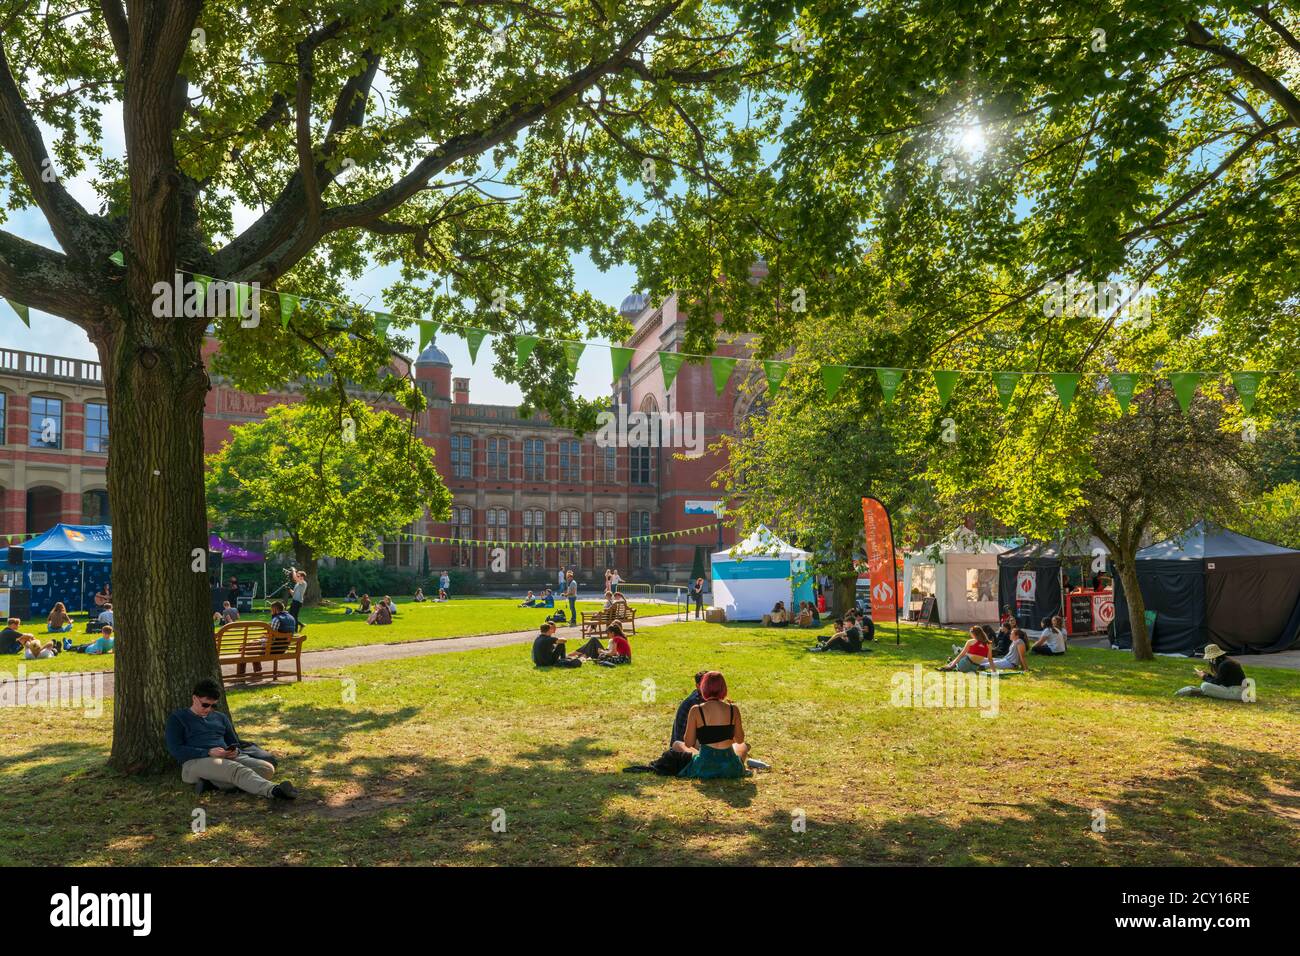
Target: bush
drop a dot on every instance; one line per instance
(368, 577)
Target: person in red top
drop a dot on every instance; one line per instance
(974, 656)
(620, 651)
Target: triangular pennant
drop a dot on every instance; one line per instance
(524, 345)
(573, 352)
(1184, 384)
(118, 258)
(202, 282)
(775, 372)
(1247, 385)
(288, 306)
(1005, 383)
(382, 321)
(1066, 384)
(619, 359)
(670, 364)
(428, 329)
(23, 312)
(722, 367)
(473, 338)
(889, 379)
(945, 380)
(1123, 385)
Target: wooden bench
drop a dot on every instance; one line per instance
(594, 623)
(253, 642)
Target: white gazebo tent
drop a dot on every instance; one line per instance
(759, 571)
(961, 573)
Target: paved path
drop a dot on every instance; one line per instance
(370, 653)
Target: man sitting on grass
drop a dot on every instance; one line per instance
(203, 741)
(1225, 679)
(382, 614)
(530, 601)
(101, 645)
(847, 637)
(11, 639)
(548, 650)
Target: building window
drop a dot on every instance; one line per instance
(94, 508)
(3, 408)
(570, 534)
(462, 529)
(640, 466)
(498, 524)
(608, 467)
(397, 548)
(498, 458)
(462, 456)
(605, 532)
(570, 460)
(97, 427)
(45, 429)
(534, 530)
(641, 548)
(534, 459)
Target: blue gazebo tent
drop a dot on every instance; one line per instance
(72, 562)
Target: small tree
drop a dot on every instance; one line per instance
(335, 485)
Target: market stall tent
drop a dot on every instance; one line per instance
(961, 573)
(68, 563)
(1033, 577)
(751, 577)
(1209, 585)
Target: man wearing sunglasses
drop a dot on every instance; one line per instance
(203, 741)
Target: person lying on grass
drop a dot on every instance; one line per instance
(548, 650)
(1016, 656)
(1225, 679)
(34, 649)
(203, 742)
(715, 734)
(101, 645)
(974, 655)
(620, 651)
(1051, 641)
(58, 622)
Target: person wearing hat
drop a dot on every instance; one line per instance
(1224, 680)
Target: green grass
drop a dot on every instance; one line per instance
(412, 770)
(330, 627)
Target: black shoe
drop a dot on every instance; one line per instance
(202, 786)
(284, 791)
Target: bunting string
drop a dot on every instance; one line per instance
(598, 543)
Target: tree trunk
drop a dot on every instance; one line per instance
(844, 595)
(1137, 618)
(156, 385)
(307, 561)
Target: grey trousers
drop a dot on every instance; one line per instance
(244, 773)
(1212, 690)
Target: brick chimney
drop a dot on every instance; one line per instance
(460, 391)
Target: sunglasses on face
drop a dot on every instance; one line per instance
(207, 704)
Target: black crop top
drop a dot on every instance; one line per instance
(715, 733)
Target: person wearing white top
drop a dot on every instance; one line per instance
(1052, 640)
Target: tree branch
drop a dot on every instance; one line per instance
(1200, 38)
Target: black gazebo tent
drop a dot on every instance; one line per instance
(1210, 585)
(1056, 564)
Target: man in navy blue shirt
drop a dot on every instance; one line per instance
(684, 711)
(203, 741)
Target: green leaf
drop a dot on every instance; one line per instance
(1005, 383)
(474, 338)
(889, 380)
(1247, 385)
(1123, 385)
(775, 373)
(524, 345)
(619, 359)
(945, 380)
(1066, 384)
(670, 364)
(573, 352)
(832, 379)
(722, 367)
(1184, 384)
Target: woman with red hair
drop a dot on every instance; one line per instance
(715, 735)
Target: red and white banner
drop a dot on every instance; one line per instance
(880, 561)
(1103, 610)
(1027, 586)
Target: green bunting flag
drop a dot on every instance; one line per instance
(428, 329)
(1005, 383)
(889, 380)
(288, 306)
(1123, 384)
(23, 312)
(1184, 384)
(619, 359)
(382, 321)
(670, 364)
(243, 297)
(722, 367)
(775, 372)
(524, 345)
(118, 258)
(474, 338)
(1066, 383)
(573, 352)
(945, 380)
(203, 282)
(1247, 385)
(832, 379)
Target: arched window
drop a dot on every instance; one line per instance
(607, 464)
(498, 524)
(534, 459)
(462, 456)
(570, 460)
(498, 458)
(397, 548)
(642, 457)
(534, 530)
(605, 532)
(570, 531)
(45, 422)
(462, 529)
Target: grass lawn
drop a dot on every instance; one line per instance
(330, 627)
(413, 769)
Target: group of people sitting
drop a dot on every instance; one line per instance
(806, 616)
(14, 641)
(550, 651)
(1006, 650)
(420, 596)
(545, 599)
(851, 632)
(381, 613)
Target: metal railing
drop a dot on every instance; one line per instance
(681, 598)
